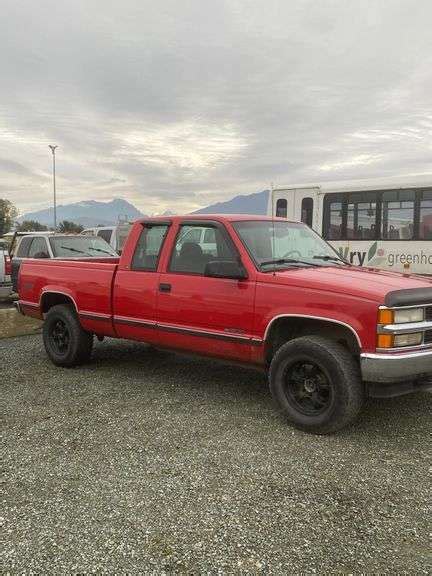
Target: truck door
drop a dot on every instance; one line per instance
(198, 313)
(136, 286)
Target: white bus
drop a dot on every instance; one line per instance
(369, 224)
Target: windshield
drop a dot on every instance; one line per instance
(285, 244)
(75, 246)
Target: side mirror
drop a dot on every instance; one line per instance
(225, 269)
(41, 255)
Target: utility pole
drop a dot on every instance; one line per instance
(53, 149)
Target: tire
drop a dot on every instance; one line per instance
(66, 343)
(317, 384)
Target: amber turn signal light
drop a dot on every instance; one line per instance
(385, 316)
(385, 340)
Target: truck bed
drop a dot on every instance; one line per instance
(87, 281)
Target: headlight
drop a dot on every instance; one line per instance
(408, 339)
(408, 315)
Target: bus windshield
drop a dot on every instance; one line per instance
(285, 244)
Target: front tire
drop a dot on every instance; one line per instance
(66, 343)
(316, 384)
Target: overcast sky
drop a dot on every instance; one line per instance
(175, 104)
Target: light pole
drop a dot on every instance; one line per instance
(53, 149)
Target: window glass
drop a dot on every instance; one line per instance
(122, 234)
(24, 246)
(361, 220)
(281, 208)
(198, 245)
(425, 227)
(307, 211)
(267, 241)
(80, 246)
(209, 236)
(105, 234)
(398, 215)
(148, 247)
(190, 234)
(38, 247)
(334, 231)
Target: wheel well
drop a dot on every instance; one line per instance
(284, 329)
(51, 299)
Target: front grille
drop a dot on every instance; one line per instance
(428, 313)
(428, 337)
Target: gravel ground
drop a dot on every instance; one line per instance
(151, 462)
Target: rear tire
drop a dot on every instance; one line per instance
(66, 343)
(316, 384)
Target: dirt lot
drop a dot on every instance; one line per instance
(151, 462)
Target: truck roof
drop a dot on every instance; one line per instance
(218, 217)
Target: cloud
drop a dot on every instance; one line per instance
(174, 105)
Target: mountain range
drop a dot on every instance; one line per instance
(249, 204)
(88, 213)
(93, 213)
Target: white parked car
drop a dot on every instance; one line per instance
(115, 236)
(5, 279)
(39, 245)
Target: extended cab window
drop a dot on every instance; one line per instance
(198, 245)
(149, 247)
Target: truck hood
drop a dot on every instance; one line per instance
(366, 283)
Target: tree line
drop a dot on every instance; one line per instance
(9, 214)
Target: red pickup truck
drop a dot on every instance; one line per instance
(268, 293)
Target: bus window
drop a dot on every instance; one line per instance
(281, 208)
(307, 211)
(425, 227)
(334, 229)
(398, 215)
(362, 218)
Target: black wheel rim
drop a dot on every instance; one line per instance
(308, 388)
(60, 337)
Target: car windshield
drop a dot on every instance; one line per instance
(284, 244)
(76, 246)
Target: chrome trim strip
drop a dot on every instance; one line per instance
(313, 318)
(57, 292)
(205, 334)
(28, 304)
(95, 316)
(405, 307)
(129, 321)
(175, 329)
(405, 328)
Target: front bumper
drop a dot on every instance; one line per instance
(397, 367)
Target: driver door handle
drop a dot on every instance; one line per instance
(164, 287)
